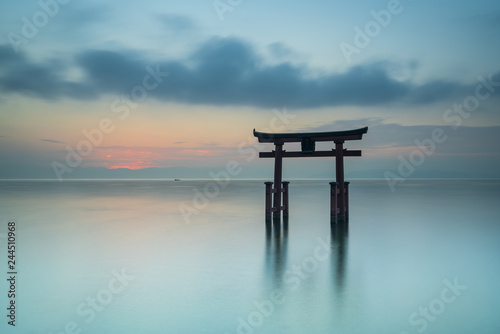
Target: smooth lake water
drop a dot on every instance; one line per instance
(118, 256)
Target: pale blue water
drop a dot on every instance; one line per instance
(219, 272)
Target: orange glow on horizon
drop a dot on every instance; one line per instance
(128, 167)
(147, 157)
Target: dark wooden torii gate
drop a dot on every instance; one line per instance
(339, 207)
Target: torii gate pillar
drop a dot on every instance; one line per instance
(278, 172)
(339, 175)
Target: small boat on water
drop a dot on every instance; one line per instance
(177, 179)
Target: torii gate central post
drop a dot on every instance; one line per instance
(278, 172)
(339, 189)
(339, 175)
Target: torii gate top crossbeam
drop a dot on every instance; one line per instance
(356, 134)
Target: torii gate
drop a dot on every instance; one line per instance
(339, 199)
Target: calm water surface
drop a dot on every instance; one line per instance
(120, 257)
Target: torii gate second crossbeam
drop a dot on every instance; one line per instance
(339, 189)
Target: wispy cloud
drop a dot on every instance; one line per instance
(52, 141)
(390, 139)
(177, 23)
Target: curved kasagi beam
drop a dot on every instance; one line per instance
(355, 134)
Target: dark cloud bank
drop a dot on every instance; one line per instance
(222, 71)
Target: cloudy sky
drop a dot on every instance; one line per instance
(122, 84)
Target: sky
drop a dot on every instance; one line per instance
(175, 88)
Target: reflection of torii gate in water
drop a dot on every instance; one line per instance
(339, 189)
